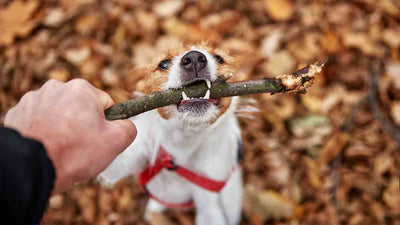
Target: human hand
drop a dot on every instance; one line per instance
(68, 118)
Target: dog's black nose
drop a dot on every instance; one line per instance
(193, 61)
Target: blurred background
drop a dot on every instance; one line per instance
(330, 156)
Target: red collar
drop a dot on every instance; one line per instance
(165, 160)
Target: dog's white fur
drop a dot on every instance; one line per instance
(210, 150)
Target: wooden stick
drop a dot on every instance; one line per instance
(296, 82)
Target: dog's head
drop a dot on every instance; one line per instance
(186, 65)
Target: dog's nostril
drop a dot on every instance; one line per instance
(186, 61)
(202, 59)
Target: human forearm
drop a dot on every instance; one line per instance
(26, 178)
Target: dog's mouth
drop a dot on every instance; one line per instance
(197, 104)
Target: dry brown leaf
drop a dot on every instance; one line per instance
(278, 169)
(331, 42)
(391, 195)
(395, 111)
(389, 7)
(358, 150)
(280, 10)
(147, 21)
(168, 8)
(145, 55)
(276, 121)
(305, 49)
(311, 126)
(383, 163)
(271, 43)
(391, 37)
(333, 147)
(54, 17)
(125, 201)
(56, 201)
(119, 95)
(267, 204)
(157, 218)
(184, 219)
(356, 219)
(393, 70)
(379, 212)
(75, 3)
(90, 68)
(110, 78)
(192, 32)
(87, 204)
(77, 55)
(313, 172)
(221, 22)
(283, 106)
(16, 20)
(105, 201)
(87, 23)
(281, 63)
(341, 14)
(362, 42)
(311, 102)
(60, 74)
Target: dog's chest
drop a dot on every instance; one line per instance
(212, 154)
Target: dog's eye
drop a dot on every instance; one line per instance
(218, 59)
(163, 65)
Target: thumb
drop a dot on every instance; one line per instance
(123, 133)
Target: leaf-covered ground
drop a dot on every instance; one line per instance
(327, 157)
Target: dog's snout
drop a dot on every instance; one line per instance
(193, 61)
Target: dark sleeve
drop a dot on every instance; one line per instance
(26, 178)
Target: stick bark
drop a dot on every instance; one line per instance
(296, 82)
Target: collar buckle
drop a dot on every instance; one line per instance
(172, 165)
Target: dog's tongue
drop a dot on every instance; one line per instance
(199, 100)
(213, 101)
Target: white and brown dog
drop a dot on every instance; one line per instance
(187, 154)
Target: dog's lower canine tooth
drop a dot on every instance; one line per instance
(208, 82)
(207, 96)
(184, 96)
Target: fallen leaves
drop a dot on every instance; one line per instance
(279, 10)
(291, 142)
(167, 8)
(17, 20)
(363, 42)
(267, 204)
(333, 147)
(331, 42)
(77, 55)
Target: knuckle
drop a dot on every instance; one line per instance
(51, 83)
(79, 86)
(79, 83)
(27, 96)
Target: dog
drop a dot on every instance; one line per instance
(187, 155)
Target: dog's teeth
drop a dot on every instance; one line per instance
(184, 96)
(207, 96)
(208, 84)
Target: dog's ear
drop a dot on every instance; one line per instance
(135, 80)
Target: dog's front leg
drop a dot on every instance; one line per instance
(209, 208)
(131, 161)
